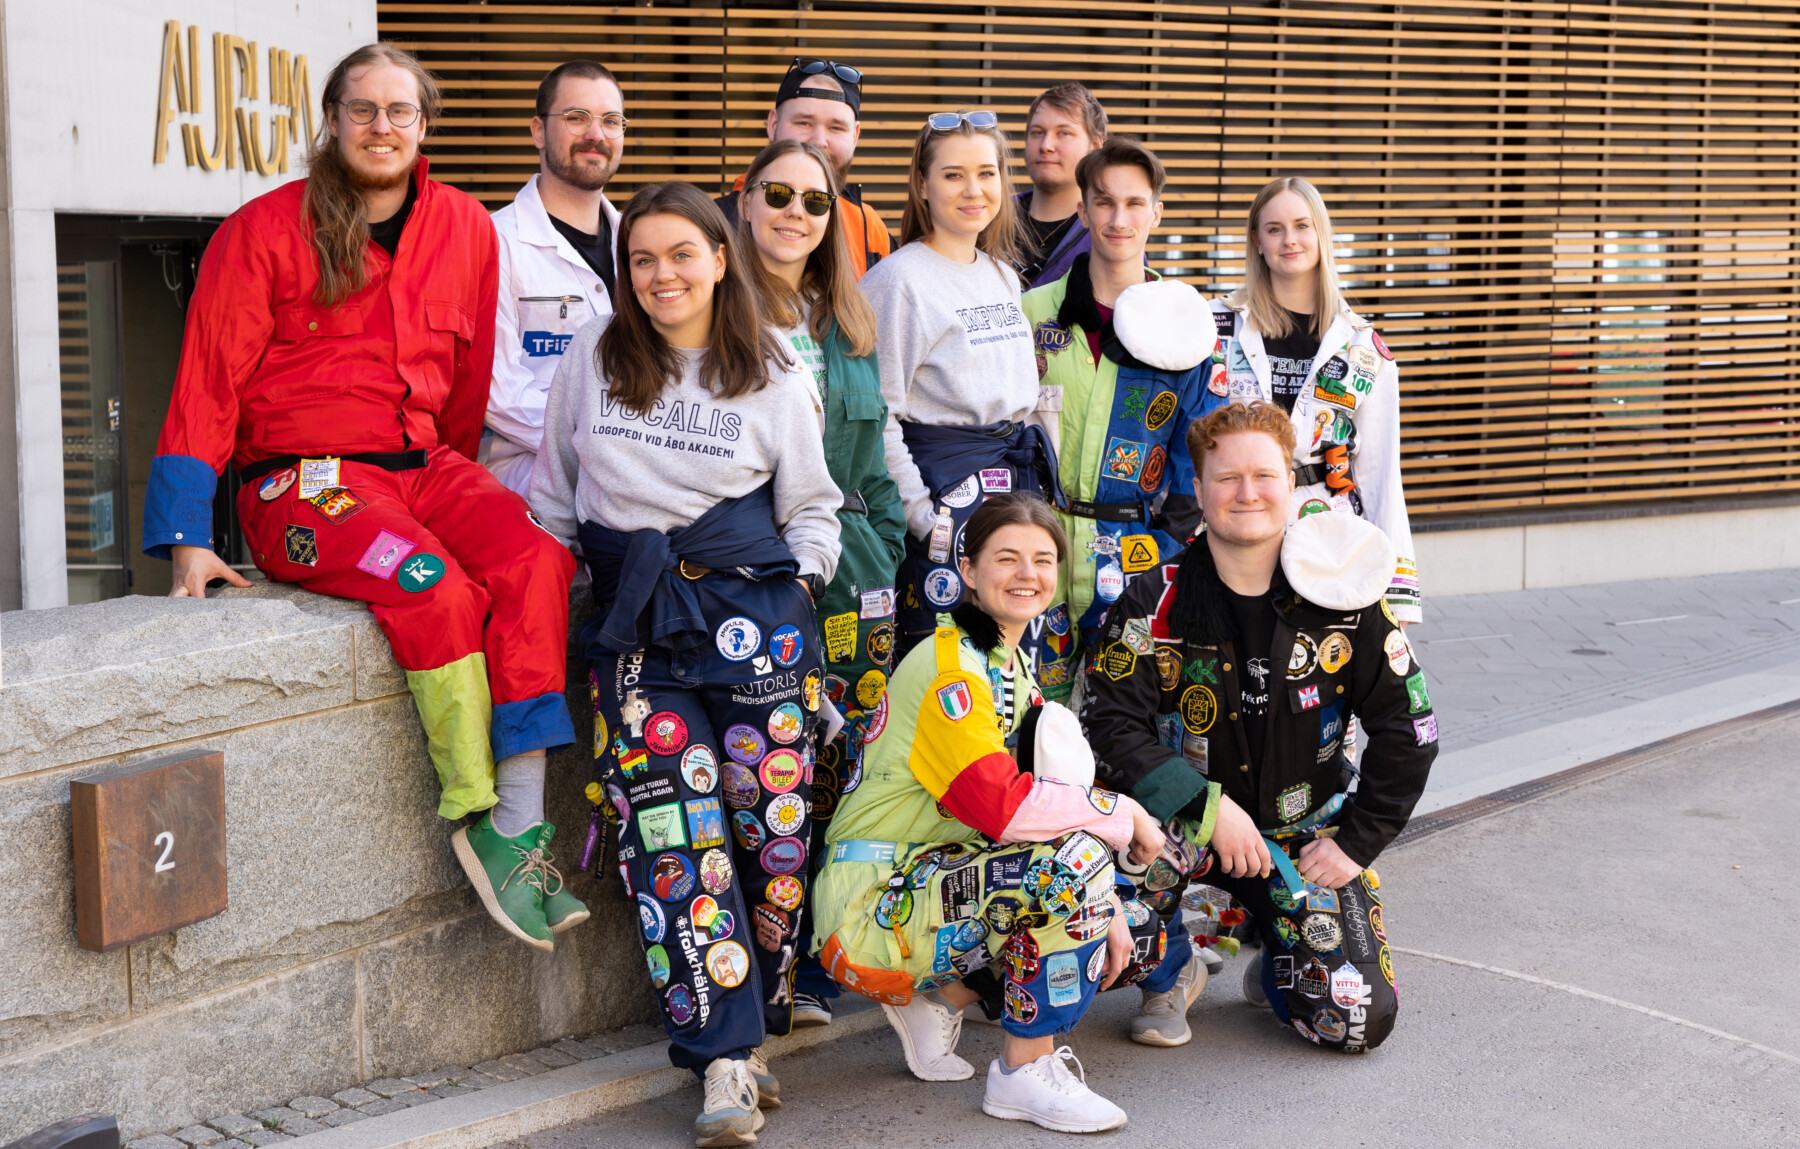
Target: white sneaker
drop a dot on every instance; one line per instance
(928, 1033)
(730, 1116)
(768, 1090)
(810, 1009)
(1253, 987)
(1162, 1018)
(1044, 1091)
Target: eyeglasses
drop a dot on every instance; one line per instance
(363, 112)
(778, 196)
(947, 121)
(611, 124)
(808, 66)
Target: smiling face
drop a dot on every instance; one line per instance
(1245, 486)
(673, 274)
(828, 125)
(1014, 577)
(379, 155)
(1055, 141)
(1120, 210)
(1287, 236)
(588, 159)
(786, 237)
(962, 185)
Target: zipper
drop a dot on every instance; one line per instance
(565, 300)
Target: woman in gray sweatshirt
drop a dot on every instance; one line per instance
(957, 366)
(681, 456)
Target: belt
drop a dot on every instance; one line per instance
(1315, 822)
(386, 460)
(868, 850)
(855, 503)
(1109, 512)
(1309, 474)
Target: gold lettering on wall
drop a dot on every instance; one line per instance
(237, 129)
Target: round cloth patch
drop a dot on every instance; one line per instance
(420, 572)
(700, 769)
(871, 690)
(943, 587)
(1330, 1025)
(786, 723)
(651, 918)
(1322, 933)
(894, 909)
(1283, 898)
(658, 960)
(881, 644)
(741, 790)
(1334, 651)
(809, 690)
(963, 494)
(877, 721)
(786, 814)
(672, 876)
(276, 485)
(781, 771)
(783, 856)
(738, 638)
(1096, 963)
(679, 1002)
(745, 744)
(727, 964)
(1003, 912)
(785, 892)
(1021, 1007)
(747, 830)
(1312, 507)
(1399, 655)
(665, 732)
(968, 935)
(786, 645)
(1199, 707)
(715, 872)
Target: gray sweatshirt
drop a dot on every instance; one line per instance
(955, 351)
(663, 470)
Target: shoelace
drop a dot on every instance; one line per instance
(950, 1026)
(535, 869)
(1060, 1077)
(727, 1090)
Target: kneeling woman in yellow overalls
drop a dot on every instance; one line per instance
(948, 856)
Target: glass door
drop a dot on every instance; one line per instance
(93, 419)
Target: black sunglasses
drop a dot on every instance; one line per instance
(812, 67)
(947, 121)
(778, 196)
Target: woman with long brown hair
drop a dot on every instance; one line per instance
(957, 366)
(708, 524)
(808, 284)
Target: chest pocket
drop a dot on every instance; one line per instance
(293, 324)
(860, 386)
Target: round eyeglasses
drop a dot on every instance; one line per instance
(363, 112)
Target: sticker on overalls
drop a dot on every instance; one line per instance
(785, 723)
(1334, 652)
(1322, 933)
(1293, 802)
(745, 744)
(1346, 985)
(276, 485)
(700, 769)
(840, 636)
(1425, 730)
(421, 572)
(1160, 410)
(996, 480)
(786, 814)
(302, 546)
(942, 587)
(336, 504)
(1304, 658)
(727, 964)
(383, 557)
(1124, 460)
(657, 958)
(660, 827)
(738, 638)
(651, 918)
(962, 495)
(1063, 976)
(705, 823)
(316, 475)
(1138, 552)
(671, 876)
(810, 690)
(1199, 708)
(665, 732)
(1399, 655)
(748, 830)
(783, 856)
(786, 646)
(881, 644)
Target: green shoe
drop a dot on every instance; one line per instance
(510, 875)
(562, 910)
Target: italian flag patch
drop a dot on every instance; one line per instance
(954, 701)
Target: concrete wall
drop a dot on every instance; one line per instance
(1483, 561)
(353, 947)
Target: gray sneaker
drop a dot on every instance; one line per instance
(1162, 1019)
(768, 1090)
(730, 1115)
(1253, 987)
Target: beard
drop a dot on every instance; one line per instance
(570, 167)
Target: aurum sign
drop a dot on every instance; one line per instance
(237, 130)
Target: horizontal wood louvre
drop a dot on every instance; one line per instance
(1573, 223)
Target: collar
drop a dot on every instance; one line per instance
(1201, 614)
(534, 223)
(1080, 309)
(980, 626)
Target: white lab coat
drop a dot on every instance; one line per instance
(547, 292)
(1375, 444)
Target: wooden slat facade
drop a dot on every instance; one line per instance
(1574, 223)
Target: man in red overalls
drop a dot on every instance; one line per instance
(338, 351)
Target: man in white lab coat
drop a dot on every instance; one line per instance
(557, 264)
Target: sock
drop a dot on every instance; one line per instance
(519, 781)
(1008, 1070)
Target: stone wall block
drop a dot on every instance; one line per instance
(250, 1048)
(377, 674)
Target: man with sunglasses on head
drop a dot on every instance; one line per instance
(817, 103)
(557, 268)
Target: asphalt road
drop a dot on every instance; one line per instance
(1658, 889)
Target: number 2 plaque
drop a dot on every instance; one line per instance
(149, 848)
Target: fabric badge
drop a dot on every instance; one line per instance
(840, 636)
(699, 769)
(786, 645)
(783, 856)
(1321, 933)
(880, 644)
(781, 771)
(1160, 410)
(1154, 465)
(1313, 979)
(1425, 730)
(878, 603)
(942, 586)
(714, 926)
(748, 830)
(1118, 661)
(665, 732)
(1303, 658)
(786, 815)
(1199, 708)
(634, 762)
(727, 963)
(744, 744)
(786, 723)
(1305, 697)
(1063, 976)
(276, 485)
(959, 893)
(996, 480)
(894, 908)
(1139, 552)
(420, 572)
(1096, 963)
(1334, 652)
(383, 557)
(738, 638)
(1293, 803)
(651, 918)
(660, 827)
(672, 877)
(679, 1004)
(316, 475)
(657, 958)
(1418, 699)
(771, 927)
(1399, 655)
(1124, 460)
(302, 545)
(1375, 923)
(955, 701)
(1330, 1025)
(1321, 898)
(964, 494)
(1168, 668)
(705, 823)
(1346, 985)
(1021, 1007)
(715, 872)
(811, 690)
(1109, 582)
(336, 504)
(1050, 337)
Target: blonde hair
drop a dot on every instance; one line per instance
(1000, 238)
(1257, 296)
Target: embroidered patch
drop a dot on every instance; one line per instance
(660, 827)
(1199, 707)
(657, 958)
(317, 475)
(1154, 466)
(840, 636)
(871, 688)
(1425, 729)
(1293, 802)
(1118, 661)
(1306, 697)
(727, 964)
(786, 645)
(715, 872)
(748, 830)
(738, 638)
(420, 572)
(781, 771)
(1138, 552)
(336, 504)
(651, 918)
(276, 485)
(383, 557)
(785, 892)
(786, 723)
(881, 644)
(302, 546)
(784, 855)
(1168, 667)
(1303, 658)
(786, 814)
(942, 586)
(1109, 582)
(955, 701)
(1160, 410)
(1124, 460)
(665, 732)
(1417, 699)
(1049, 337)
(996, 480)
(1063, 976)
(671, 876)
(1334, 652)
(705, 823)
(809, 690)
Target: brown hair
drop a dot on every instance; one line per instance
(1235, 418)
(1120, 152)
(1074, 100)
(634, 358)
(580, 70)
(1257, 295)
(1012, 510)
(340, 234)
(829, 281)
(1000, 238)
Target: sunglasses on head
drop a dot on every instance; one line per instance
(808, 66)
(778, 196)
(947, 121)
